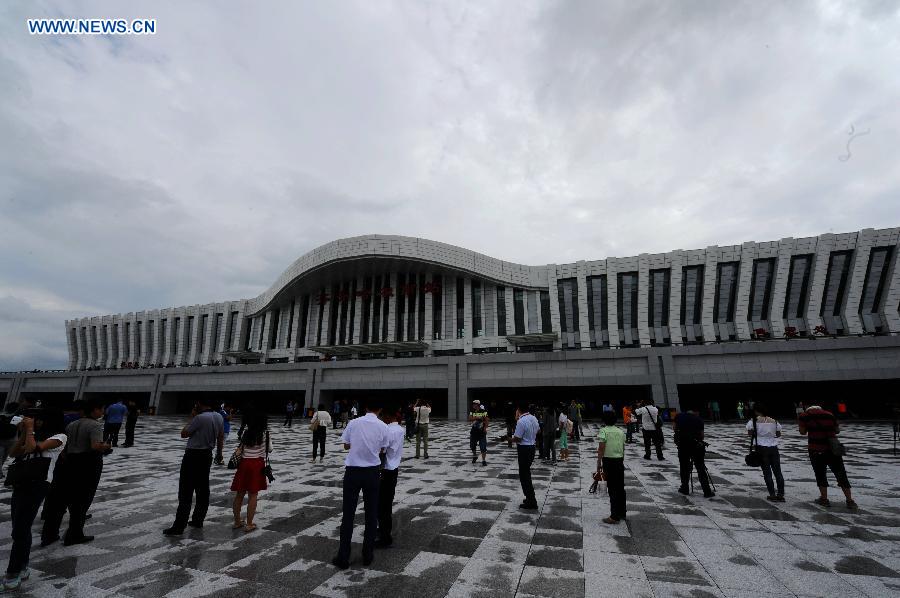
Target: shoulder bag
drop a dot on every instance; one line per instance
(27, 469)
(267, 469)
(753, 458)
(236, 456)
(314, 424)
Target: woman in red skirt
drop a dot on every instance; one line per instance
(249, 477)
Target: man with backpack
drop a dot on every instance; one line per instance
(651, 426)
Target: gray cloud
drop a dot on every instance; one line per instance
(196, 164)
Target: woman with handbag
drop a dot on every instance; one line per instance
(249, 477)
(38, 446)
(319, 427)
(764, 431)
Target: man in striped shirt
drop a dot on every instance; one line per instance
(821, 426)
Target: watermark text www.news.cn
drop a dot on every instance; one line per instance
(92, 26)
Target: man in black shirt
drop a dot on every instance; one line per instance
(688, 428)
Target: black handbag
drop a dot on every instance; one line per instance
(236, 457)
(753, 458)
(29, 468)
(267, 469)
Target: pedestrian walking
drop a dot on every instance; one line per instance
(651, 426)
(478, 417)
(509, 415)
(765, 432)
(40, 442)
(550, 425)
(130, 423)
(611, 465)
(364, 438)
(345, 413)
(688, 428)
(115, 416)
(319, 426)
(409, 421)
(575, 416)
(289, 414)
(525, 436)
(354, 410)
(716, 411)
(336, 414)
(249, 478)
(204, 431)
(825, 451)
(423, 416)
(566, 427)
(393, 454)
(627, 410)
(79, 475)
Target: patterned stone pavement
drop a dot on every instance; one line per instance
(459, 532)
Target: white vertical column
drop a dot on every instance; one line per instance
(449, 308)
(612, 300)
(111, 356)
(749, 252)
(326, 321)
(131, 320)
(584, 323)
(552, 280)
(72, 343)
(313, 321)
(676, 263)
(429, 310)
(780, 287)
(121, 340)
(710, 278)
(357, 313)
(392, 309)
(143, 339)
(824, 245)
(643, 302)
(864, 243)
(89, 342)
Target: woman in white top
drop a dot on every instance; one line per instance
(40, 442)
(768, 431)
(323, 419)
(565, 428)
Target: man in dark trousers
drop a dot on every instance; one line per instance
(364, 437)
(289, 413)
(648, 415)
(392, 455)
(688, 428)
(204, 432)
(525, 436)
(80, 476)
(130, 423)
(115, 415)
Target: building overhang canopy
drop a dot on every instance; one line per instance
(370, 348)
(543, 338)
(242, 355)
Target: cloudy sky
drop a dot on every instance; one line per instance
(196, 164)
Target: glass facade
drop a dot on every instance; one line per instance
(127, 341)
(376, 310)
(876, 280)
(519, 311)
(365, 317)
(203, 327)
(190, 335)
(627, 300)
(437, 307)
(532, 299)
(460, 308)
(477, 326)
(290, 327)
(421, 317)
(691, 295)
(658, 306)
(567, 290)
(304, 320)
(836, 283)
(546, 319)
(726, 291)
(501, 311)
(151, 334)
(598, 310)
(797, 296)
(274, 321)
(761, 290)
(137, 338)
(351, 324)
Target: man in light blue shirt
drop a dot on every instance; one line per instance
(115, 415)
(526, 432)
(365, 438)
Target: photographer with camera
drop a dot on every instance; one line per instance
(204, 432)
(688, 428)
(39, 444)
(79, 477)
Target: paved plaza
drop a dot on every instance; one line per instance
(459, 532)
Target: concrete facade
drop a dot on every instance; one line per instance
(412, 313)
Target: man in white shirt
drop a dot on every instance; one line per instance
(364, 438)
(649, 414)
(392, 456)
(526, 432)
(423, 413)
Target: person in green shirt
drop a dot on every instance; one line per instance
(611, 464)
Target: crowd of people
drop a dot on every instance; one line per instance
(58, 459)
